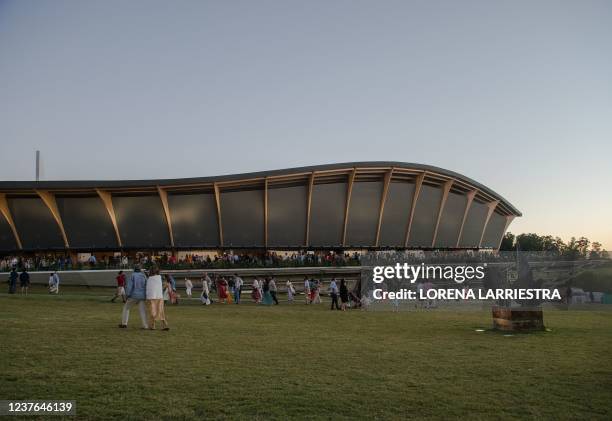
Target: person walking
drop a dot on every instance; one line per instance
(155, 300)
(290, 292)
(24, 281)
(12, 280)
(135, 295)
(237, 288)
(205, 297)
(120, 287)
(230, 286)
(333, 293)
(343, 294)
(260, 288)
(267, 297)
(222, 290)
(256, 291)
(188, 287)
(208, 280)
(307, 289)
(273, 290)
(316, 294)
(172, 296)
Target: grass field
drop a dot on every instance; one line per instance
(253, 362)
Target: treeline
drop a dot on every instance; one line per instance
(581, 247)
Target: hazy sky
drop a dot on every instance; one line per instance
(517, 95)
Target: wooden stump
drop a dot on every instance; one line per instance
(520, 319)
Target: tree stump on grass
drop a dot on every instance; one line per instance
(519, 319)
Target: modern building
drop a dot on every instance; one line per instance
(351, 206)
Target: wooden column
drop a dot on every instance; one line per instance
(492, 205)
(309, 204)
(509, 219)
(219, 222)
(415, 198)
(468, 205)
(107, 199)
(163, 195)
(5, 210)
(49, 200)
(447, 187)
(349, 192)
(266, 212)
(383, 199)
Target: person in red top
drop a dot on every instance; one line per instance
(120, 287)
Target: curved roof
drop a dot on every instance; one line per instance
(430, 172)
(347, 205)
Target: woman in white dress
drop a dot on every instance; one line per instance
(290, 291)
(205, 297)
(260, 289)
(155, 300)
(188, 287)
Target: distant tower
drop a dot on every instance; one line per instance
(37, 165)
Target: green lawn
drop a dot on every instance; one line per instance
(252, 362)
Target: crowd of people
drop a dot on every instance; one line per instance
(230, 259)
(169, 261)
(150, 292)
(62, 262)
(226, 289)
(263, 290)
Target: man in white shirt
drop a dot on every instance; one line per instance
(188, 287)
(237, 288)
(207, 279)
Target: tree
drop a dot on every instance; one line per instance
(596, 251)
(573, 249)
(583, 246)
(558, 245)
(529, 242)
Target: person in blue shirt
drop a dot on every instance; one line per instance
(333, 293)
(136, 295)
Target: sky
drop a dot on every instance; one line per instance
(516, 95)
